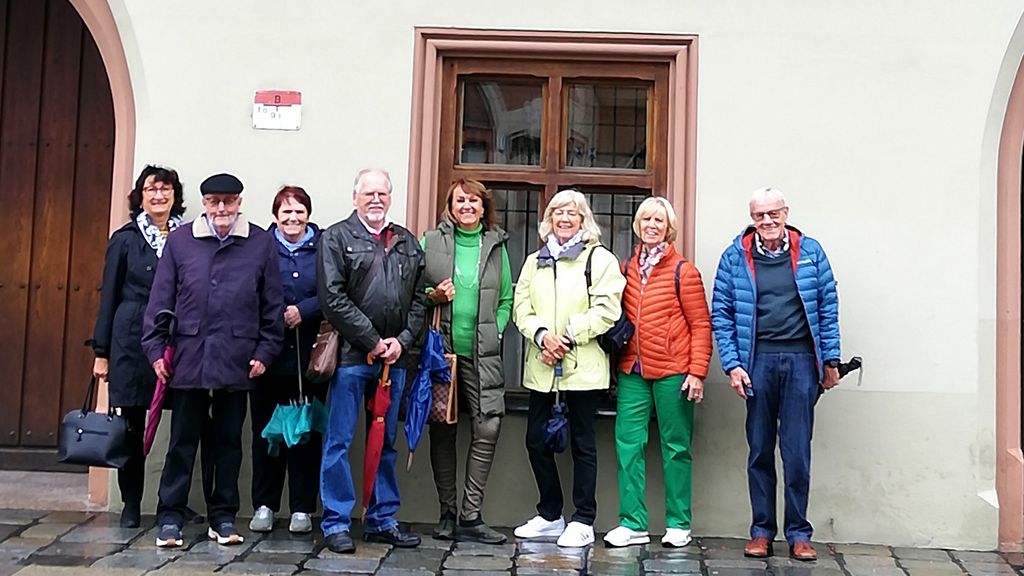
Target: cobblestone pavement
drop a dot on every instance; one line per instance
(40, 543)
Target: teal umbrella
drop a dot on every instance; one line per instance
(293, 423)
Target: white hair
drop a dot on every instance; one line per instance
(766, 194)
(357, 184)
(588, 225)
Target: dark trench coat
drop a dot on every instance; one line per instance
(128, 272)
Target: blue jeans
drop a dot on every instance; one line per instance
(785, 388)
(345, 400)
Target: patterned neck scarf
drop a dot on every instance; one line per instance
(782, 249)
(649, 258)
(152, 233)
(557, 249)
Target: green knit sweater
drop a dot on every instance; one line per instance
(466, 277)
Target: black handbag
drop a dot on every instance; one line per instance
(619, 334)
(89, 438)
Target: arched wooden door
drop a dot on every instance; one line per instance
(56, 159)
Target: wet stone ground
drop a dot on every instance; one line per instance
(40, 543)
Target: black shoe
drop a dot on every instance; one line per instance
(341, 543)
(477, 531)
(394, 537)
(445, 529)
(131, 515)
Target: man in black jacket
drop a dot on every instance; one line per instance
(369, 279)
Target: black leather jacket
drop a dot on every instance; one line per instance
(369, 291)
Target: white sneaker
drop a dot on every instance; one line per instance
(676, 538)
(538, 527)
(262, 520)
(622, 536)
(301, 523)
(576, 535)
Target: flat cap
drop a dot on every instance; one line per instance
(221, 184)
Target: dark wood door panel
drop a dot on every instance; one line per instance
(93, 173)
(23, 71)
(51, 237)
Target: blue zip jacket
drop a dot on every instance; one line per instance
(734, 302)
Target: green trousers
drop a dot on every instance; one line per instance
(636, 396)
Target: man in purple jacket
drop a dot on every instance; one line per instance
(220, 277)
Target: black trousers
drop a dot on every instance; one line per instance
(301, 462)
(582, 410)
(223, 432)
(131, 477)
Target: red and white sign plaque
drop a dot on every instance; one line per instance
(277, 110)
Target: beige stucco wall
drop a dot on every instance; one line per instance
(878, 119)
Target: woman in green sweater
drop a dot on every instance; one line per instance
(468, 271)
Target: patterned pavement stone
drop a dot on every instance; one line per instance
(748, 563)
(989, 569)
(875, 571)
(364, 550)
(18, 548)
(868, 562)
(66, 517)
(413, 559)
(341, 564)
(480, 563)
(929, 554)
(473, 573)
(476, 549)
(550, 562)
(429, 543)
(978, 557)
(735, 572)
(807, 571)
(672, 566)
(100, 534)
(46, 531)
(534, 547)
(8, 529)
(9, 569)
(385, 571)
(38, 570)
(546, 572)
(285, 546)
(20, 517)
(132, 559)
(626, 555)
(862, 550)
(602, 568)
(79, 549)
(293, 558)
(257, 568)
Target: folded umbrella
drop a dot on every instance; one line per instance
(293, 423)
(433, 368)
(378, 406)
(556, 429)
(844, 368)
(156, 405)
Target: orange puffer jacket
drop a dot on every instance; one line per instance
(673, 333)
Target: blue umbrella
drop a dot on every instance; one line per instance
(293, 424)
(433, 368)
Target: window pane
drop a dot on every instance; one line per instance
(607, 126)
(614, 212)
(516, 209)
(501, 122)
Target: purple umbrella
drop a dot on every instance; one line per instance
(156, 406)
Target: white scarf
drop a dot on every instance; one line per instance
(556, 249)
(151, 232)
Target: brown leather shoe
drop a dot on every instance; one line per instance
(758, 548)
(803, 551)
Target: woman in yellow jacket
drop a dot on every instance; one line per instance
(561, 319)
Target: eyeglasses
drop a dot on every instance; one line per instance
(372, 195)
(154, 190)
(772, 214)
(225, 200)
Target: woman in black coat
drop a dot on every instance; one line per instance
(296, 241)
(157, 203)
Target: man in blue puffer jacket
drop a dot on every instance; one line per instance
(775, 315)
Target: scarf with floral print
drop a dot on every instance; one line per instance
(152, 233)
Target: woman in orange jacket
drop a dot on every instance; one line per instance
(663, 366)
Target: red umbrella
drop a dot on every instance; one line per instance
(156, 405)
(379, 405)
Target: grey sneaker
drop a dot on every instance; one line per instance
(262, 520)
(301, 523)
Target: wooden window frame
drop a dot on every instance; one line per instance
(435, 49)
